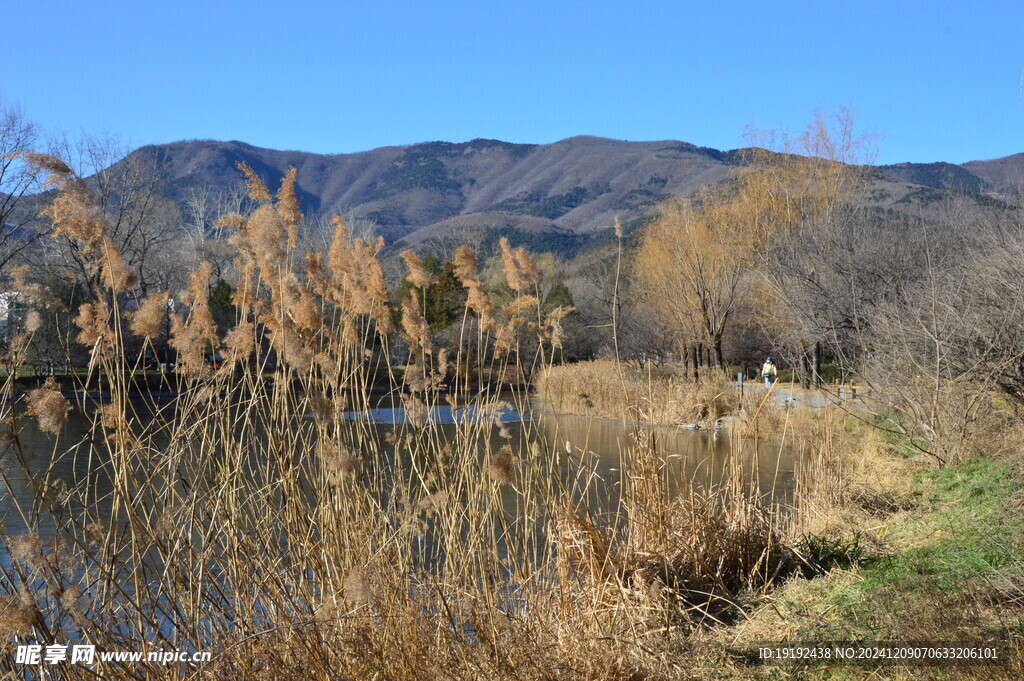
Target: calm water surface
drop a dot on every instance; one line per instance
(595, 448)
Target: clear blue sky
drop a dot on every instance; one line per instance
(938, 80)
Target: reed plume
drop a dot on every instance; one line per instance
(553, 322)
(195, 336)
(33, 321)
(477, 299)
(418, 274)
(49, 407)
(501, 466)
(357, 281)
(16, 617)
(257, 188)
(30, 291)
(518, 307)
(520, 270)
(93, 322)
(148, 320)
(288, 206)
(415, 328)
(76, 215)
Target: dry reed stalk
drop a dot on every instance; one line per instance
(601, 388)
(330, 546)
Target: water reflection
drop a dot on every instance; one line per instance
(588, 456)
(692, 458)
(437, 415)
(41, 462)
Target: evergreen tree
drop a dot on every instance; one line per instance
(221, 308)
(558, 296)
(442, 301)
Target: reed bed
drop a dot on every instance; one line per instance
(254, 517)
(607, 389)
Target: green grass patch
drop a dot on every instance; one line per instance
(954, 573)
(964, 535)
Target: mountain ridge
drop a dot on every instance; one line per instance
(576, 186)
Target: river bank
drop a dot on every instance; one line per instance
(898, 546)
(933, 557)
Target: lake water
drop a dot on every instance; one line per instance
(595, 449)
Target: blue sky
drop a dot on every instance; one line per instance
(935, 80)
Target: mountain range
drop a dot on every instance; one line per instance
(568, 192)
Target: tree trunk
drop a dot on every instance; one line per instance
(805, 373)
(816, 363)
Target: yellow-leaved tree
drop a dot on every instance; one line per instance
(693, 263)
(703, 258)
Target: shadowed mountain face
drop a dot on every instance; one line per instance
(572, 189)
(575, 187)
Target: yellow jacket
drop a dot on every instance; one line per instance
(769, 369)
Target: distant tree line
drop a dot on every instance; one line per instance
(787, 257)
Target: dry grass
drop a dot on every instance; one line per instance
(603, 389)
(250, 518)
(848, 479)
(939, 548)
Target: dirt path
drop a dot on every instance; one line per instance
(792, 393)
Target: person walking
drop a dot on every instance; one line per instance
(769, 372)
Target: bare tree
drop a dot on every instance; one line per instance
(18, 207)
(145, 225)
(694, 262)
(795, 192)
(461, 231)
(642, 332)
(203, 207)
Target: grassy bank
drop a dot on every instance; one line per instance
(938, 557)
(894, 544)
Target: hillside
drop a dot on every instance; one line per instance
(565, 192)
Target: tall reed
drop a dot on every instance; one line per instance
(261, 515)
(609, 389)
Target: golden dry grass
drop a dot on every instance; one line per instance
(604, 389)
(252, 518)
